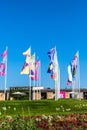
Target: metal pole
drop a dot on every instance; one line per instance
(5, 76)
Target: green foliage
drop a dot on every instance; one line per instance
(20, 124)
(17, 123)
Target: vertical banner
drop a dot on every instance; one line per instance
(54, 71)
(3, 69)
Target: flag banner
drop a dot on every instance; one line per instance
(50, 68)
(74, 65)
(30, 59)
(54, 71)
(53, 76)
(35, 77)
(36, 71)
(51, 54)
(72, 68)
(37, 64)
(31, 73)
(69, 82)
(28, 65)
(74, 76)
(27, 52)
(2, 69)
(4, 55)
(53, 62)
(25, 69)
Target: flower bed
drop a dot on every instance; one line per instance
(54, 122)
(68, 122)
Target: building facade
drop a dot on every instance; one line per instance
(38, 93)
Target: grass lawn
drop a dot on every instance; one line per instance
(47, 107)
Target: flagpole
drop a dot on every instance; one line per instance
(5, 78)
(73, 89)
(26, 69)
(34, 81)
(78, 76)
(39, 75)
(30, 89)
(59, 82)
(57, 86)
(37, 89)
(57, 79)
(30, 81)
(39, 82)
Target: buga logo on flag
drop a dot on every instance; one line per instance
(51, 54)
(51, 69)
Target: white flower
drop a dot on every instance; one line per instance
(68, 109)
(38, 119)
(4, 108)
(59, 117)
(50, 118)
(9, 117)
(57, 109)
(14, 109)
(44, 117)
(9, 107)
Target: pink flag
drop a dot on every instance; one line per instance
(2, 69)
(35, 77)
(25, 69)
(53, 76)
(4, 55)
(37, 65)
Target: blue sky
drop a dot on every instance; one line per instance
(43, 24)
